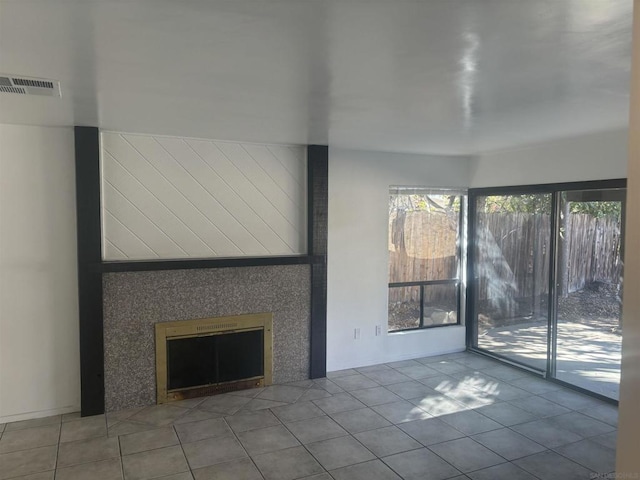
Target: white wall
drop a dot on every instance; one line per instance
(39, 351)
(597, 156)
(173, 197)
(358, 255)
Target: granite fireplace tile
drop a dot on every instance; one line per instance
(134, 301)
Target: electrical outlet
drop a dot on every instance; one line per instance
(356, 334)
(378, 330)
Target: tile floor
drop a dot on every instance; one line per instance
(458, 416)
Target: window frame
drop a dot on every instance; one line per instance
(461, 266)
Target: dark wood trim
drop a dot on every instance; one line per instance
(318, 207)
(190, 264)
(87, 148)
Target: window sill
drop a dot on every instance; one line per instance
(424, 329)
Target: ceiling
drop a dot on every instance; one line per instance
(427, 76)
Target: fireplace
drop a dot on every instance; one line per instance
(134, 302)
(213, 355)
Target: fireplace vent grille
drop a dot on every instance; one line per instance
(220, 326)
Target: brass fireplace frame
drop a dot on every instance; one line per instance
(206, 327)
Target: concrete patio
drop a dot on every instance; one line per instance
(587, 357)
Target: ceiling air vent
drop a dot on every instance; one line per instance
(29, 86)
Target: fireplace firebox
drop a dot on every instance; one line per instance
(213, 355)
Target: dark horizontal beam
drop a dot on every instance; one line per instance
(450, 281)
(190, 264)
(607, 195)
(550, 187)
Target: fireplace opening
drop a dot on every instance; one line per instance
(217, 358)
(213, 355)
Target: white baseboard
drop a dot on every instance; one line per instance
(39, 414)
(396, 358)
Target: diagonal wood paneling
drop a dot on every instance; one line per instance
(170, 197)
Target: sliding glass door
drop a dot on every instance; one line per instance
(589, 293)
(545, 278)
(511, 242)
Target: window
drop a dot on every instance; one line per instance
(425, 252)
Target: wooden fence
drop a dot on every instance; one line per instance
(512, 254)
(594, 251)
(422, 246)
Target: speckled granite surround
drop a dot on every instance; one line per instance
(135, 301)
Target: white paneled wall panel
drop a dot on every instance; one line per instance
(146, 173)
(121, 236)
(143, 199)
(169, 197)
(257, 174)
(112, 252)
(258, 202)
(283, 211)
(147, 232)
(263, 240)
(232, 236)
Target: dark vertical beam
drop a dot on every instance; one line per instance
(318, 206)
(87, 148)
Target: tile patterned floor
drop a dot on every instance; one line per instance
(458, 416)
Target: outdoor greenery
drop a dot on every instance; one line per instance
(597, 209)
(541, 204)
(424, 202)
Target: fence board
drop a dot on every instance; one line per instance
(514, 250)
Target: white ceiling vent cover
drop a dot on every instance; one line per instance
(29, 85)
